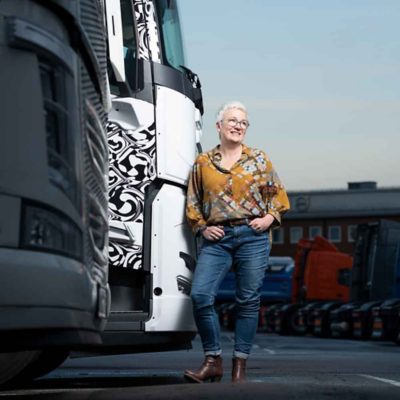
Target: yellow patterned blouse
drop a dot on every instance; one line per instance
(251, 188)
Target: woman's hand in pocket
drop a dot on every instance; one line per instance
(262, 224)
(214, 233)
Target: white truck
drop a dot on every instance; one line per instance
(96, 98)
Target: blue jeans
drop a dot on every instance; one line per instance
(248, 252)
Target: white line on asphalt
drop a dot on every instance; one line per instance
(389, 381)
(230, 338)
(255, 346)
(269, 351)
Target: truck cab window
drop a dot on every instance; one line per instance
(129, 49)
(168, 16)
(129, 40)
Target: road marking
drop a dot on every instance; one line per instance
(389, 381)
(269, 351)
(255, 346)
(230, 338)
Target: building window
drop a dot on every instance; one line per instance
(296, 233)
(277, 236)
(314, 231)
(335, 233)
(351, 233)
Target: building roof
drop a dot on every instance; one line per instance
(358, 201)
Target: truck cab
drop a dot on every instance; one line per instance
(153, 134)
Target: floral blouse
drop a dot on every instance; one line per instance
(251, 188)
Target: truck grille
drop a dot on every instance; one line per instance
(95, 147)
(96, 144)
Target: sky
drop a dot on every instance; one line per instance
(320, 80)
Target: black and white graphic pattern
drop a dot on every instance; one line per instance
(133, 153)
(148, 37)
(132, 168)
(125, 256)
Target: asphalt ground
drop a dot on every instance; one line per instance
(281, 367)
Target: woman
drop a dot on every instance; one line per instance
(234, 198)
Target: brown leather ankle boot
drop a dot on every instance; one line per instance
(238, 370)
(211, 370)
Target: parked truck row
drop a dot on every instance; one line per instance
(337, 295)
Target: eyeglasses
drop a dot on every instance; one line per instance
(233, 122)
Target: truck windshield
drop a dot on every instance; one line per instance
(171, 35)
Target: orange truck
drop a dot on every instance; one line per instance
(321, 272)
(321, 283)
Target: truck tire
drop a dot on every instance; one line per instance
(45, 362)
(11, 364)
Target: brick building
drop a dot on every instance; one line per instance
(334, 214)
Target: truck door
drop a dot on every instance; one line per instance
(153, 129)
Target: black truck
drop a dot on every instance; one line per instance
(375, 285)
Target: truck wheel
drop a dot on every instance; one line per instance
(45, 362)
(11, 364)
(291, 324)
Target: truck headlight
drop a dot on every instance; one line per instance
(47, 230)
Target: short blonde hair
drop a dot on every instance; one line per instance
(228, 106)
